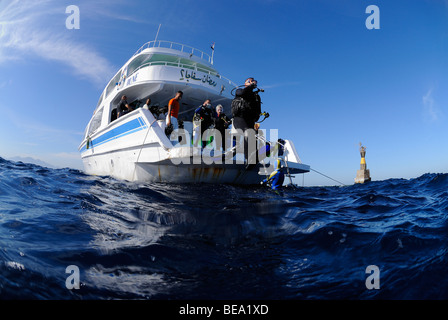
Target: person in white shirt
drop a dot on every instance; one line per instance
(148, 102)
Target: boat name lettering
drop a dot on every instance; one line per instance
(185, 74)
(132, 79)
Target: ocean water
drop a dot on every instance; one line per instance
(168, 242)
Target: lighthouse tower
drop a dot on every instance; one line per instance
(363, 174)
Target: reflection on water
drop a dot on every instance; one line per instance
(162, 237)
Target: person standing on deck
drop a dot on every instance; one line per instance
(173, 110)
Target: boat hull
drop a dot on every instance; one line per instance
(135, 148)
(167, 172)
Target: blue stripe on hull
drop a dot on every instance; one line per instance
(118, 132)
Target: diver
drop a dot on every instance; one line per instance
(276, 179)
(203, 119)
(246, 107)
(222, 122)
(246, 110)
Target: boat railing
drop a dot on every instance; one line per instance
(186, 66)
(176, 46)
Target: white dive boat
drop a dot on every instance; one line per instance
(134, 147)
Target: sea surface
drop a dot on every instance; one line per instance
(166, 242)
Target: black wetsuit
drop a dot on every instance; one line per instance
(247, 116)
(246, 110)
(221, 124)
(204, 115)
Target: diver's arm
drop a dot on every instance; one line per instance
(248, 90)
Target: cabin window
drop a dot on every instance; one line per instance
(137, 62)
(166, 60)
(96, 122)
(99, 101)
(113, 83)
(86, 130)
(174, 60)
(206, 69)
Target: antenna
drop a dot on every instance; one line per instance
(213, 51)
(157, 35)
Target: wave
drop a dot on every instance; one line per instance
(165, 241)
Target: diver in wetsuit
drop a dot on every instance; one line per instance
(246, 107)
(202, 119)
(222, 122)
(276, 179)
(246, 110)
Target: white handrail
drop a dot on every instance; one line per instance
(172, 45)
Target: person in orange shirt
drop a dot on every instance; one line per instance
(173, 110)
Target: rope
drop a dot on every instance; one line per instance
(287, 168)
(328, 177)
